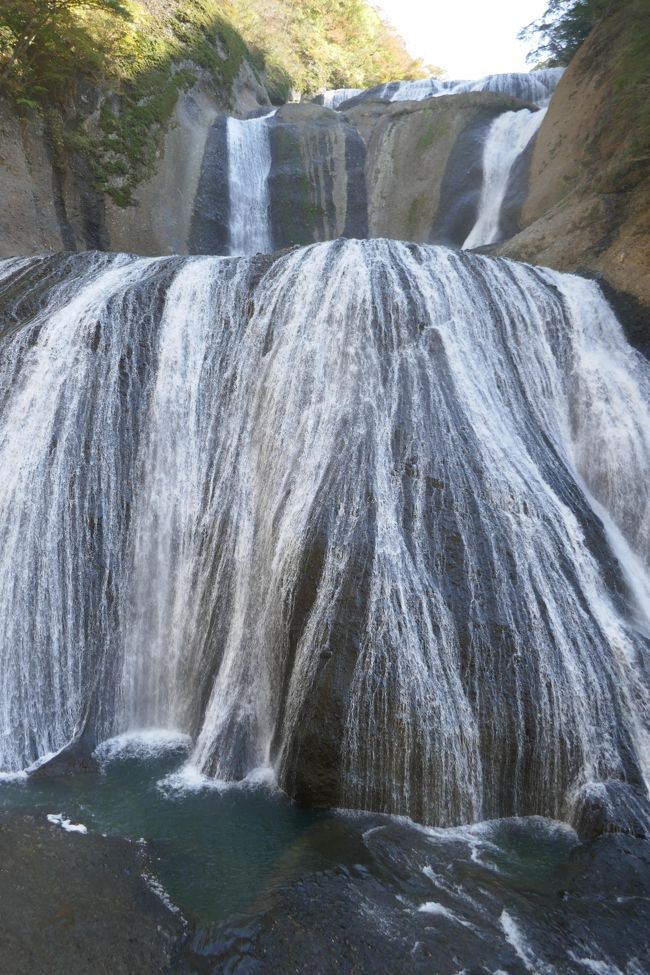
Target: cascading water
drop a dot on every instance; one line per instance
(485, 181)
(249, 164)
(536, 87)
(531, 86)
(347, 511)
(508, 137)
(334, 97)
(71, 413)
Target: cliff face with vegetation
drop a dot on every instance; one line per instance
(588, 205)
(106, 117)
(106, 106)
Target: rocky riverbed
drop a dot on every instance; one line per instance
(76, 903)
(353, 894)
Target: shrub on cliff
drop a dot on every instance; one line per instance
(140, 53)
(300, 45)
(43, 42)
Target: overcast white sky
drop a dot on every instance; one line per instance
(468, 38)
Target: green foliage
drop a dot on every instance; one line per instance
(143, 51)
(137, 55)
(562, 29)
(302, 45)
(312, 44)
(44, 42)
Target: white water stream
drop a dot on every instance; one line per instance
(508, 137)
(368, 487)
(249, 164)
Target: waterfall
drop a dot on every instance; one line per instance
(536, 87)
(530, 86)
(334, 97)
(249, 164)
(508, 137)
(374, 514)
(69, 374)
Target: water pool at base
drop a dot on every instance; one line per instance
(260, 879)
(217, 849)
(213, 848)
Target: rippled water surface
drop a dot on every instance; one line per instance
(219, 849)
(214, 848)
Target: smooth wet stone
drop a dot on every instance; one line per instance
(72, 904)
(612, 807)
(76, 758)
(516, 896)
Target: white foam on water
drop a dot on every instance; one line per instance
(13, 776)
(23, 774)
(58, 819)
(596, 966)
(432, 907)
(369, 832)
(599, 967)
(436, 909)
(157, 888)
(190, 779)
(143, 744)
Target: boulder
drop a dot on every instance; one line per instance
(75, 903)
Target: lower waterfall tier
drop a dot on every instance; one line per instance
(373, 514)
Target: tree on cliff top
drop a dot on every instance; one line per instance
(563, 27)
(41, 40)
(299, 44)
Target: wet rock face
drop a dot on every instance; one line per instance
(588, 206)
(316, 183)
(76, 903)
(209, 233)
(424, 163)
(633, 314)
(444, 903)
(460, 190)
(612, 807)
(312, 763)
(406, 170)
(76, 759)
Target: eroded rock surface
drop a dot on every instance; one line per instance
(423, 168)
(589, 199)
(73, 904)
(475, 901)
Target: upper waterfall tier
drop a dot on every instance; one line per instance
(395, 161)
(372, 513)
(535, 87)
(334, 97)
(442, 170)
(506, 142)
